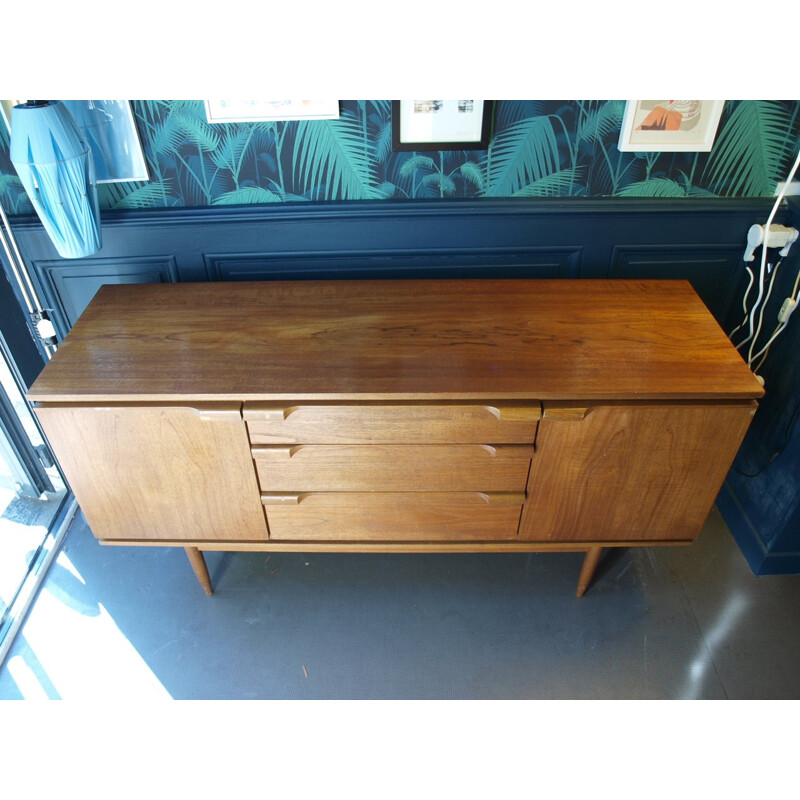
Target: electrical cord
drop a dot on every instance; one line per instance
(784, 315)
(762, 274)
(761, 315)
(744, 302)
(782, 323)
(760, 364)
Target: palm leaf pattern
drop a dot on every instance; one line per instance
(523, 153)
(553, 185)
(599, 122)
(653, 187)
(414, 163)
(509, 112)
(471, 173)
(443, 185)
(199, 131)
(249, 195)
(383, 143)
(13, 195)
(333, 160)
(166, 139)
(228, 154)
(553, 148)
(150, 195)
(751, 149)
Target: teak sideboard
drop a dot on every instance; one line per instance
(396, 416)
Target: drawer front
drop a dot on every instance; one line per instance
(393, 516)
(398, 468)
(386, 423)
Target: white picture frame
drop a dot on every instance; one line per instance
(223, 111)
(441, 124)
(688, 126)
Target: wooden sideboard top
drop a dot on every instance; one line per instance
(402, 339)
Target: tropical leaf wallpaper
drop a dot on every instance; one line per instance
(552, 148)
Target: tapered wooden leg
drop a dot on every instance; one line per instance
(587, 570)
(200, 569)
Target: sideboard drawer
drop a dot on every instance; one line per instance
(393, 467)
(386, 423)
(393, 516)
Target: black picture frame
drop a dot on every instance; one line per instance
(485, 116)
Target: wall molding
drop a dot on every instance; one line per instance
(748, 536)
(694, 238)
(57, 276)
(382, 209)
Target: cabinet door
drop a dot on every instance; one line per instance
(159, 472)
(630, 472)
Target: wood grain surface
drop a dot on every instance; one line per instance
(413, 339)
(393, 468)
(394, 516)
(153, 472)
(392, 423)
(631, 471)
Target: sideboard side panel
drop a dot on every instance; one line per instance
(164, 472)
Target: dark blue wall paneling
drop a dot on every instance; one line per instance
(701, 240)
(761, 497)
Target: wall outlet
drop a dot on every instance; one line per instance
(792, 188)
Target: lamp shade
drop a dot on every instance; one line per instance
(55, 165)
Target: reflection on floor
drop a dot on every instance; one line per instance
(689, 622)
(24, 522)
(26, 512)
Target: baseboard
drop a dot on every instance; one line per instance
(759, 559)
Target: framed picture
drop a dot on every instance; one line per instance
(670, 125)
(110, 131)
(441, 124)
(219, 111)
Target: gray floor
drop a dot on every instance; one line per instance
(689, 622)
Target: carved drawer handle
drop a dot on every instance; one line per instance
(285, 451)
(565, 413)
(218, 413)
(277, 414)
(502, 498)
(283, 499)
(530, 413)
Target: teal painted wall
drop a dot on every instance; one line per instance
(553, 148)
